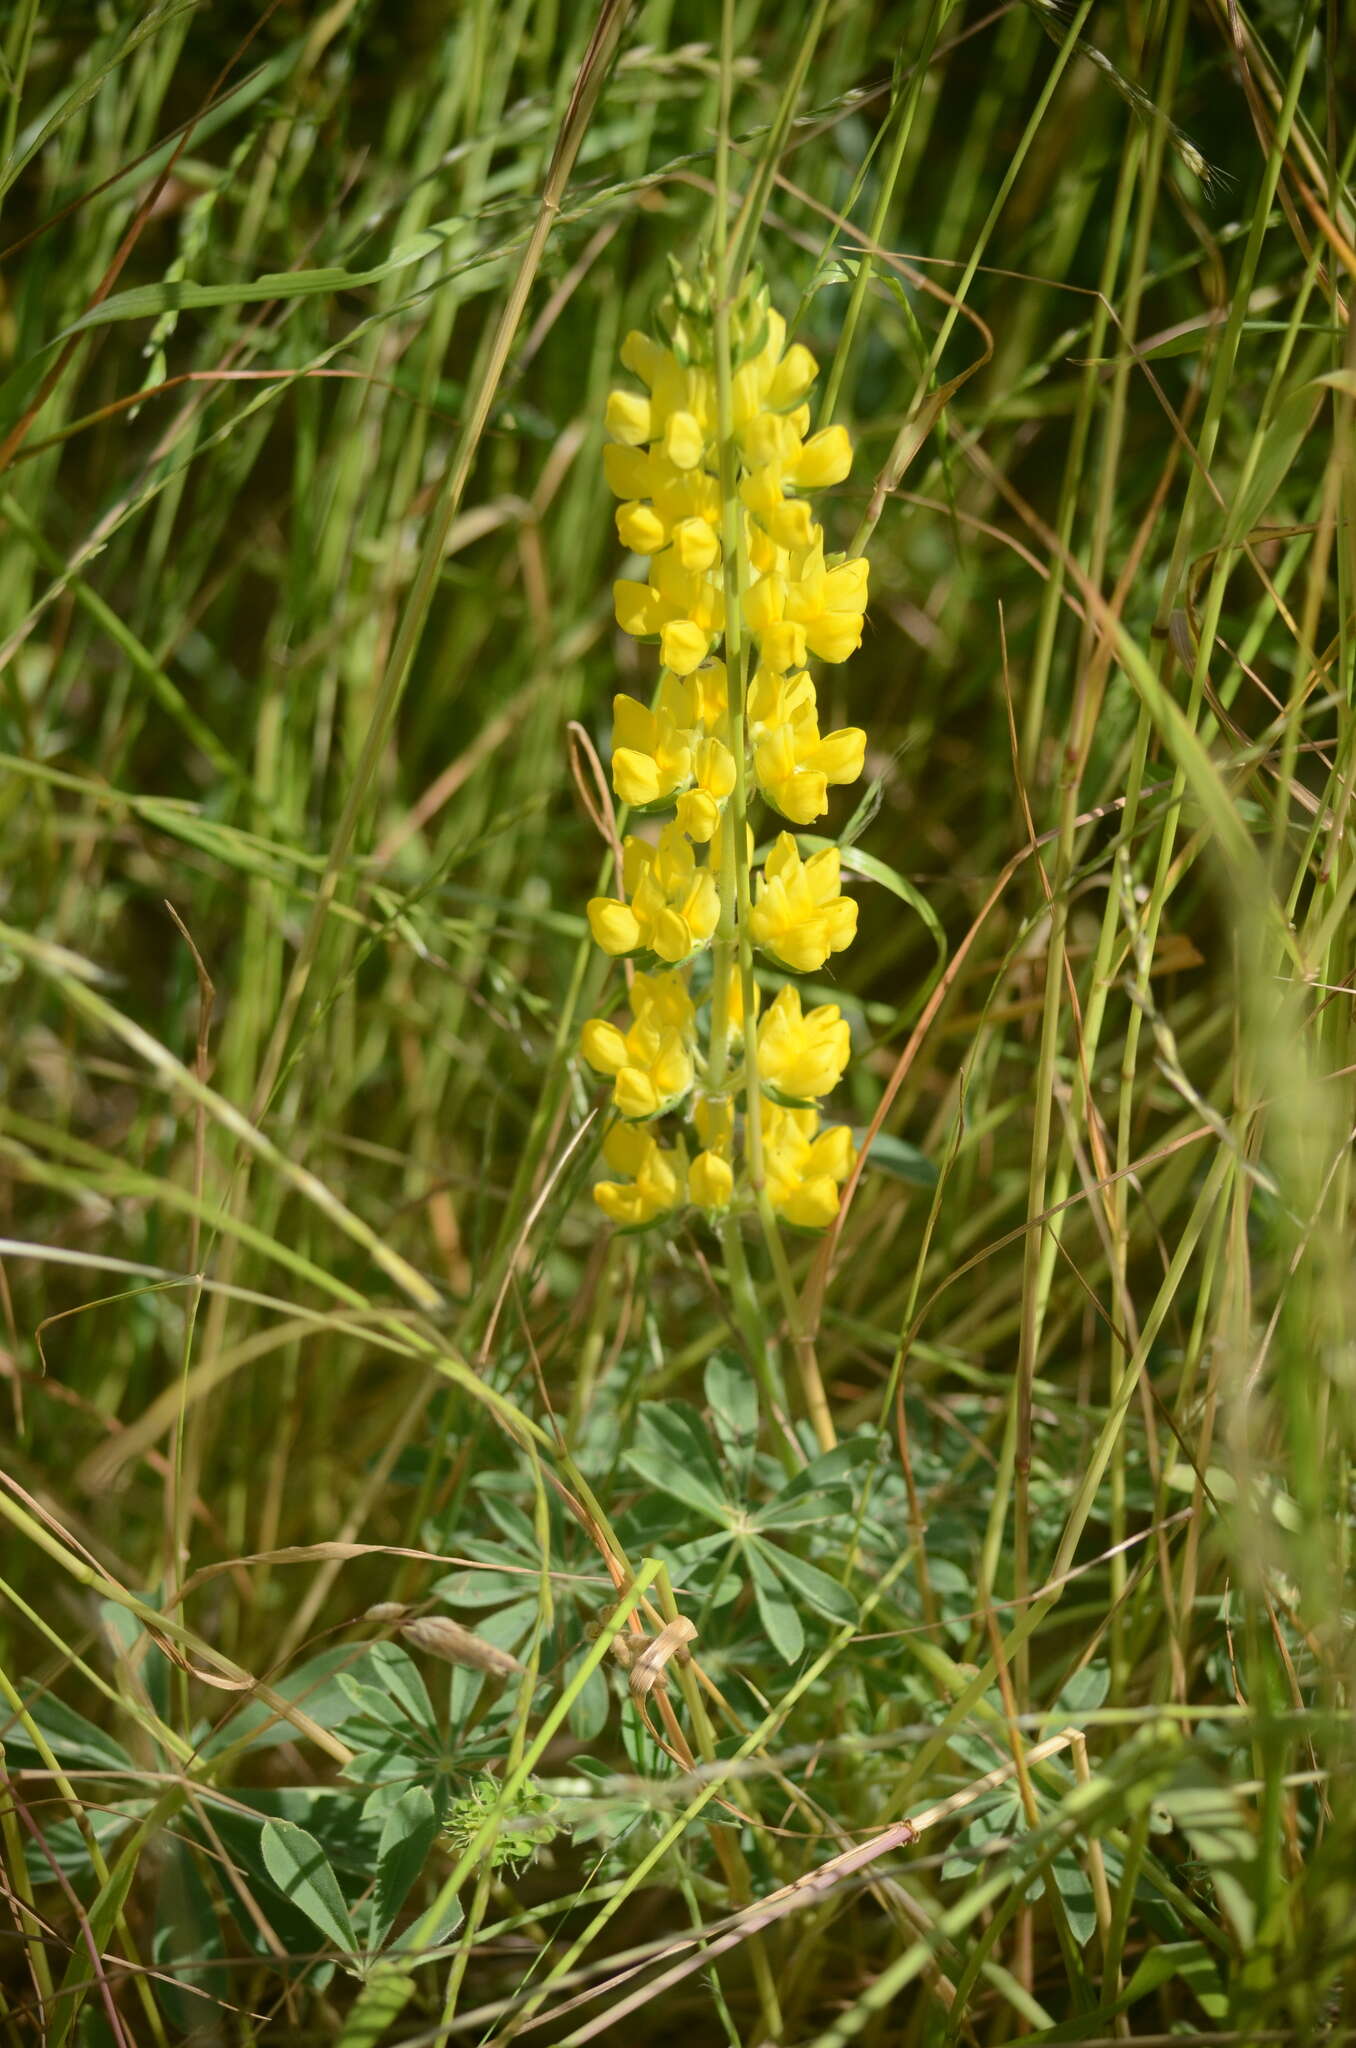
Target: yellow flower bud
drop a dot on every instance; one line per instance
(711, 1181)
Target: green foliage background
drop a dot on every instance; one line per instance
(308, 319)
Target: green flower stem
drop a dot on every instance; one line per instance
(735, 875)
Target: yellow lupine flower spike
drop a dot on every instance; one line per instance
(665, 463)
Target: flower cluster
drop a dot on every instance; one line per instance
(699, 473)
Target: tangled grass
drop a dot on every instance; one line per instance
(353, 1453)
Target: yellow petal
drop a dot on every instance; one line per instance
(711, 1181)
(840, 756)
(826, 458)
(635, 1094)
(671, 938)
(783, 646)
(635, 776)
(813, 1205)
(613, 926)
(764, 604)
(637, 608)
(698, 815)
(696, 543)
(714, 766)
(683, 440)
(644, 357)
(640, 528)
(792, 377)
(603, 1046)
(835, 636)
(628, 418)
(627, 471)
(683, 646)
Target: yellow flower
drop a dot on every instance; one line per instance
(774, 379)
(800, 915)
(793, 765)
(777, 459)
(802, 1056)
(651, 750)
(656, 1183)
(680, 413)
(828, 603)
(651, 1064)
(650, 483)
(805, 1166)
(669, 754)
(664, 463)
(673, 907)
(711, 1181)
(699, 809)
(683, 607)
(781, 641)
(773, 440)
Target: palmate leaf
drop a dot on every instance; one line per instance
(673, 1453)
(397, 1699)
(733, 1400)
(802, 1510)
(409, 1832)
(811, 1585)
(776, 1608)
(298, 1866)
